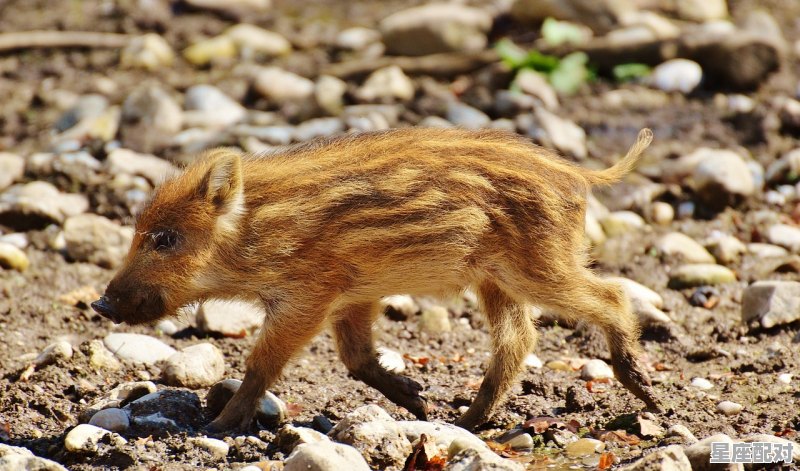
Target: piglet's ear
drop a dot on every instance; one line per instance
(224, 186)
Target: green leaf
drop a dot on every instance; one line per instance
(571, 73)
(631, 71)
(557, 32)
(511, 54)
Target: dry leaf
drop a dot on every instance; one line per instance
(606, 460)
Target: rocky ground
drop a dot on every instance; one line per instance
(705, 235)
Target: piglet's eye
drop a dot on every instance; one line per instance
(164, 240)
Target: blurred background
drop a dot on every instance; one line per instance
(101, 100)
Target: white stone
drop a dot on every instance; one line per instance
(466, 116)
(621, 222)
(148, 51)
(233, 7)
(14, 458)
(111, 419)
(729, 408)
(138, 348)
(698, 274)
(12, 257)
(152, 106)
(357, 38)
(772, 302)
(702, 383)
(101, 358)
(535, 84)
(785, 236)
(677, 75)
(290, 437)
(766, 250)
(325, 456)
(208, 106)
(678, 244)
(251, 39)
(699, 454)
(442, 435)
(391, 360)
(785, 378)
(702, 10)
(727, 249)
(585, 446)
(435, 28)
(318, 127)
(387, 84)
(126, 161)
(41, 200)
(532, 361)
(435, 320)
(12, 167)
(17, 239)
(195, 367)
(564, 135)
(682, 431)
(281, 86)
(84, 438)
(596, 369)
(375, 434)
(229, 318)
(475, 460)
(217, 448)
(53, 352)
(646, 303)
(329, 92)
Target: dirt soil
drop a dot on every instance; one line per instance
(743, 361)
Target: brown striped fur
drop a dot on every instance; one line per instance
(319, 232)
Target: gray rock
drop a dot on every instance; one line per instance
(171, 410)
(596, 369)
(601, 16)
(466, 116)
(270, 412)
(85, 438)
(119, 397)
(699, 454)
(289, 437)
(208, 106)
(111, 419)
(562, 134)
(699, 274)
(149, 166)
(150, 117)
(12, 167)
(254, 41)
(95, 239)
(785, 236)
(683, 246)
(357, 38)
(517, 439)
(671, 458)
(386, 85)
(474, 460)
(13, 258)
(435, 28)
(772, 302)
(61, 350)
(138, 348)
(14, 458)
(325, 456)
(318, 127)
(280, 86)
(38, 204)
(218, 448)
(375, 434)
(195, 367)
(229, 318)
(677, 75)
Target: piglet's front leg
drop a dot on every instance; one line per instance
(288, 331)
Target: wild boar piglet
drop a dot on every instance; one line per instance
(317, 233)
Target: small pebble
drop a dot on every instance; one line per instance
(532, 361)
(702, 383)
(112, 419)
(585, 446)
(218, 448)
(596, 369)
(729, 408)
(12, 257)
(84, 438)
(785, 378)
(53, 352)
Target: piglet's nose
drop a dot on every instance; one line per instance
(102, 307)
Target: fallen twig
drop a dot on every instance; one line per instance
(61, 39)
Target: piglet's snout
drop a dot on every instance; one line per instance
(103, 307)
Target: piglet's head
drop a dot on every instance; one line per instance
(181, 238)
